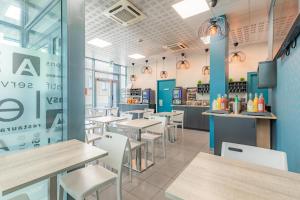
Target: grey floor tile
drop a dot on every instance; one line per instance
(145, 191)
(158, 179)
(160, 196)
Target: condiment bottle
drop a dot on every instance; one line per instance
(250, 104)
(226, 101)
(219, 102)
(261, 103)
(255, 103)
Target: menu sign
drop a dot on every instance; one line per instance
(30, 99)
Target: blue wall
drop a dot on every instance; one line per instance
(286, 105)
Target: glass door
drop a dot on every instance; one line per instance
(106, 93)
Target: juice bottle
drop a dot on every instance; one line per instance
(261, 103)
(255, 103)
(219, 102)
(222, 103)
(250, 104)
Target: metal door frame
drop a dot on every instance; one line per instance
(111, 82)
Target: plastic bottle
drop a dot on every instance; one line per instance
(219, 102)
(261, 103)
(250, 104)
(226, 101)
(236, 105)
(255, 103)
(215, 105)
(222, 103)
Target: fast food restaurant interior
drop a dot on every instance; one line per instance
(149, 99)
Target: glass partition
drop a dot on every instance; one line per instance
(30, 79)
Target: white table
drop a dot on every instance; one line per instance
(27, 167)
(168, 115)
(106, 120)
(138, 112)
(139, 124)
(212, 177)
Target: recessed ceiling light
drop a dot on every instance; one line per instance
(206, 39)
(188, 8)
(136, 56)
(13, 12)
(99, 43)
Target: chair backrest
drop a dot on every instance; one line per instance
(150, 110)
(147, 115)
(256, 155)
(114, 111)
(178, 118)
(127, 116)
(163, 120)
(20, 197)
(115, 145)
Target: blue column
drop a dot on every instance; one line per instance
(218, 72)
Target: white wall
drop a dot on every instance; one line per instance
(190, 77)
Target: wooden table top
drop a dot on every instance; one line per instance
(210, 177)
(240, 116)
(108, 119)
(167, 114)
(137, 111)
(139, 123)
(27, 167)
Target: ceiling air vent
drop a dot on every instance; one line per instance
(177, 46)
(124, 13)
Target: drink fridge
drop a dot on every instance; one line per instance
(179, 96)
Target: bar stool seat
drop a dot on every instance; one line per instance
(92, 179)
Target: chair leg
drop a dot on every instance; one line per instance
(146, 154)
(119, 189)
(61, 193)
(153, 151)
(98, 195)
(182, 129)
(164, 147)
(130, 165)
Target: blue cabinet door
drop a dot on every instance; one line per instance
(253, 86)
(164, 95)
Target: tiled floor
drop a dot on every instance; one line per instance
(151, 184)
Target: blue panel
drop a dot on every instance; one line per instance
(287, 108)
(253, 86)
(218, 75)
(164, 95)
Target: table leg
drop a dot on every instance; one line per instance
(53, 188)
(170, 136)
(139, 152)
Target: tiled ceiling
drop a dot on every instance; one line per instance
(247, 18)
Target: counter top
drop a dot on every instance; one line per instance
(192, 106)
(141, 104)
(240, 115)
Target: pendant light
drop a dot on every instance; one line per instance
(133, 76)
(147, 68)
(183, 63)
(206, 67)
(237, 56)
(163, 73)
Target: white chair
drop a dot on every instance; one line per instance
(114, 112)
(133, 145)
(178, 120)
(83, 182)
(127, 116)
(155, 133)
(255, 155)
(148, 113)
(20, 197)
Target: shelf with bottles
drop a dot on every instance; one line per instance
(203, 88)
(136, 92)
(238, 87)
